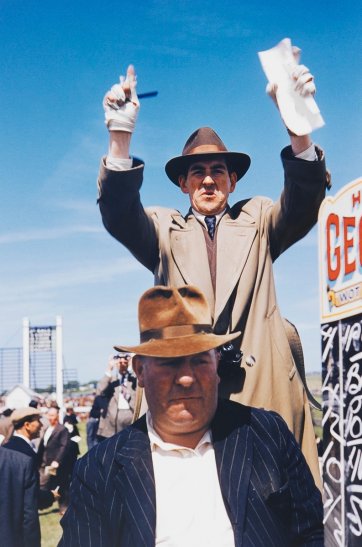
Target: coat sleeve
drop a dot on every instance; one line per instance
(296, 212)
(103, 384)
(45, 498)
(31, 527)
(124, 216)
(63, 444)
(85, 521)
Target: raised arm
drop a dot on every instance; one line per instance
(305, 177)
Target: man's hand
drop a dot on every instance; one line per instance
(304, 84)
(55, 493)
(304, 80)
(121, 104)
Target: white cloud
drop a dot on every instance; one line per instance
(41, 287)
(49, 233)
(77, 206)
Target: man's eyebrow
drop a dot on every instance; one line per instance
(213, 165)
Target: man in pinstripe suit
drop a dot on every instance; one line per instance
(194, 471)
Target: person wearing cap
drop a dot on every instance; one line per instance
(120, 393)
(195, 470)
(226, 249)
(19, 520)
(27, 427)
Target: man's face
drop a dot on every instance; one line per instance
(181, 393)
(208, 184)
(33, 428)
(122, 365)
(52, 416)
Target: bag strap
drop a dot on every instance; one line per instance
(297, 352)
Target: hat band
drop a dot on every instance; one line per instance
(174, 332)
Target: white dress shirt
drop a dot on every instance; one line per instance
(190, 511)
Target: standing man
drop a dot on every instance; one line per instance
(193, 471)
(27, 426)
(52, 454)
(226, 250)
(120, 392)
(19, 520)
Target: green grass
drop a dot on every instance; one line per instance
(51, 530)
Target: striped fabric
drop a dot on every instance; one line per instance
(267, 488)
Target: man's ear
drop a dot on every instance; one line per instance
(183, 184)
(138, 366)
(233, 180)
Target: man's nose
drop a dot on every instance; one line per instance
(185, 376)
(208, 180)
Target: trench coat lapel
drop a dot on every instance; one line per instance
(234, 240)
(190, 255)
(136, 484)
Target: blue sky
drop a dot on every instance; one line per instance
(59, 58)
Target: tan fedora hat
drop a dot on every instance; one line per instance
(175, 322)
(204, 143)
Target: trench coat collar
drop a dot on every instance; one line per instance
(235, 235)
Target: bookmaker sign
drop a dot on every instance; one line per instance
(340, 235)
(340, 259)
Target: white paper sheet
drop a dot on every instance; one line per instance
(300, 114)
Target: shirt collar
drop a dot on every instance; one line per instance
(201, 218)
(15, 434)
(157, 442)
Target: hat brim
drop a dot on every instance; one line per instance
(180, 346)
(237, 162)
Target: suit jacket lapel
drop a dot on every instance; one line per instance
(234, 240)
(233, 447)
(136, 484)
(190, 255)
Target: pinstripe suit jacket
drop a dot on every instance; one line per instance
(268, 490)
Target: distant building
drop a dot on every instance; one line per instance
(20, 396)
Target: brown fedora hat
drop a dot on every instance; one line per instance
(203, 143)
(175, 322)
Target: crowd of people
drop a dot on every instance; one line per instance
(51, 447)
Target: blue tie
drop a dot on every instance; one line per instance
(211, 223)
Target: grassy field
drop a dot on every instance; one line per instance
(51, 530)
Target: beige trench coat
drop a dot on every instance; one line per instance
(251, 235)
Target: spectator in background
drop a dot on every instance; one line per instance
(6, 425)
(120, 393)
(70, 420)
(52, 454)
(99, 408)
(19, 520)
(27, 426)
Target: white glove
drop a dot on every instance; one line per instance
(121, 104)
